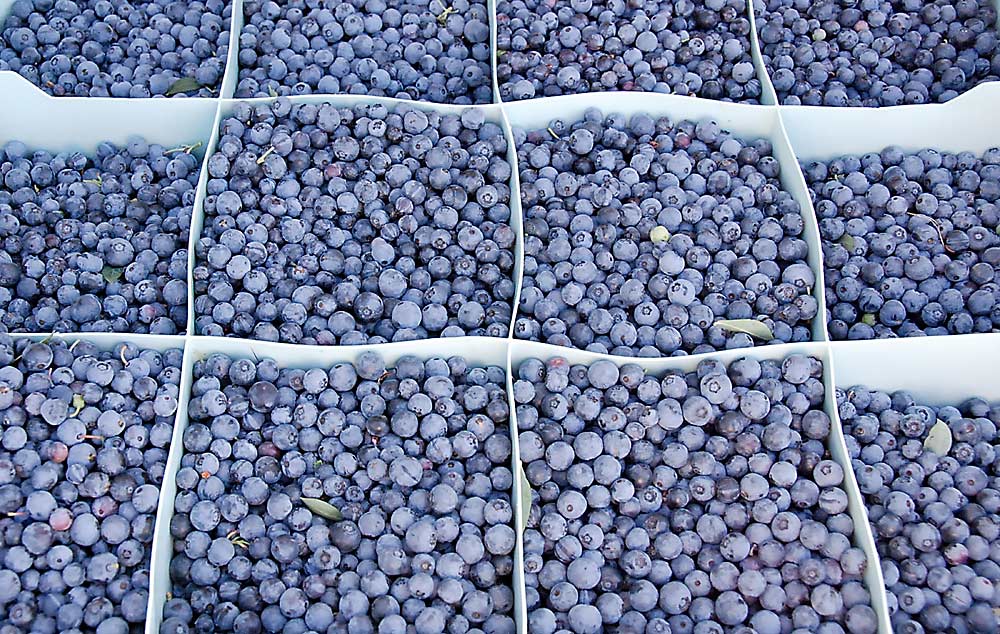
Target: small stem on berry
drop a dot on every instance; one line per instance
(187, 149)
(263, 157)
(443, 17)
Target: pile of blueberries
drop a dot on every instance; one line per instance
(355, 225)
(564, 47)
(910, 242)
(82, 456)
(433, 51)
(702, 502)
(934, 517)
(355, 498)
(641, 234)
(96, 243)
(877, 52)
(114, 48)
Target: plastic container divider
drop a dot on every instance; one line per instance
(62, 124)
(746, 121)
(967, 122)
(491, 8)
(859, 512)
(479, 351)
(198, 214)
(232, 75)
(768, 96)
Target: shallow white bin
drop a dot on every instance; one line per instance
(936, 370)
(522, 350)
(494, 113)
(745, 121)
(161, 528)
(767, 94)
(228, 79)
(770, 96)
(81, 123)
(479, 351)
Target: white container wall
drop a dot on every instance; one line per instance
(966, 123)
(81, 123)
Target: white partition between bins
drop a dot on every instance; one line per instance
(768, 96)
(479, 351)
(745, 121)
(523, 350)
(491, 8)
(937, 370)
(61, 124)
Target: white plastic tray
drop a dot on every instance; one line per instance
(936, 370)
(160, 546)
(940, 370)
